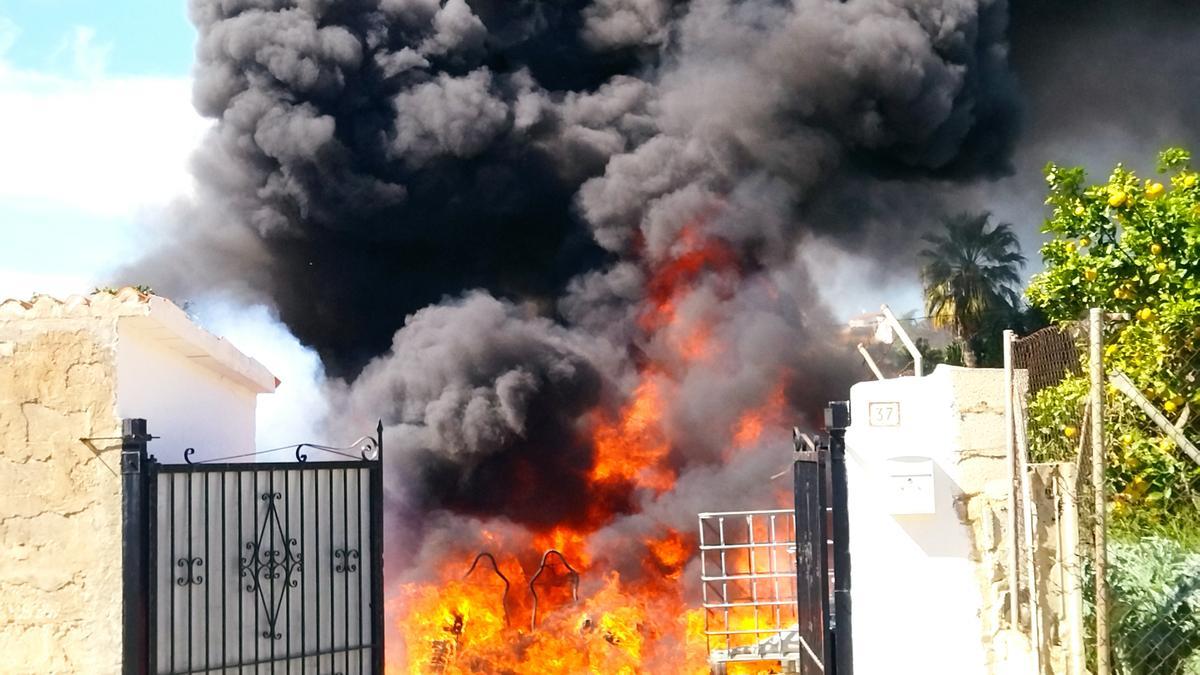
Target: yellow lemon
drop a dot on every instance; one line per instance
(1084, 242)
(1117, 198)
(1070, 431)
(1079, 210)
(1090, 275)
(1165, 444)
(1153, 191)
(1155, 249)
(1189, 180)
(1145, 314)
(1170, 406)
(1161, 267)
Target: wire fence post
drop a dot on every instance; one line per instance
(1068, 531)
(1010, 442)
(1096, 403)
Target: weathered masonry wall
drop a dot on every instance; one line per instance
(60, 515)
(69, 371)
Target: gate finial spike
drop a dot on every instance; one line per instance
(379, 435)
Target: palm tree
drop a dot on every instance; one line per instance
(970, 273)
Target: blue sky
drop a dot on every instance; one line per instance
(144, 37)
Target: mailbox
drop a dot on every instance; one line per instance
(910, 486)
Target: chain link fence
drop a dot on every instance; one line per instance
(1151, 553)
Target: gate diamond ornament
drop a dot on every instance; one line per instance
(263, 566)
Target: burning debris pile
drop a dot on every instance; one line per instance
(615, 533)
(557, 244)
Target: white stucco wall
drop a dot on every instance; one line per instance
(185, 404)
(915, 592)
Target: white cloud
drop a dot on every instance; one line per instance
(91, 142)
(87, 57)
(106, 146)
(24, 285)
(86, 160)
(85, 157)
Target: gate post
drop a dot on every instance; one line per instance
(837, 420)
(377, 604)
(135, 549)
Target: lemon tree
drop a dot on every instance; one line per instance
(1130, 245)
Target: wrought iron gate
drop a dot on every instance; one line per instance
(811, 478)
(253, 567)
(823, 548)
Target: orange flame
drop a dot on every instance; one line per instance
(772, 413)
(620, 625)
(634, 448)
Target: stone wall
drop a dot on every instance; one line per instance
(60, 497)
(985, 484)
(1009, 650)
(978, 402)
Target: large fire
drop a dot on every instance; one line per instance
(589, 618)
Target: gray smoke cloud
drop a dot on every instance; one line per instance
(475, 210)
(481, 398)
(373, 156)
(1104, 83)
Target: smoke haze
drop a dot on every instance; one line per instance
(479, 213)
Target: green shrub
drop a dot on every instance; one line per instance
(1154, 595)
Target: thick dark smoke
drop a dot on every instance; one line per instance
(1104, 82)
(465, 208)
(482, 397)
(373, 156)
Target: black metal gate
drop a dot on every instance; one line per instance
(822, 549)
(811, 480)
(253, 567)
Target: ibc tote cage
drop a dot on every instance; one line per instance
(748, 580)
(776, 583)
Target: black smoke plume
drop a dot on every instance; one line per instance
(373, 156)
(465, 208)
